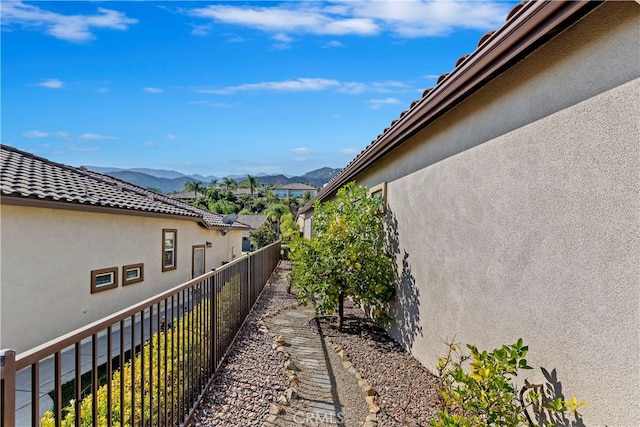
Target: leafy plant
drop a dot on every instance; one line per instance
(345, 257)
(181, 350)
(486, 395)
(263, 235)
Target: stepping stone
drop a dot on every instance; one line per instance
(308, 363)
(306, 350)
(297, 314)
(281, 321)
(298, 340)
(322, 381)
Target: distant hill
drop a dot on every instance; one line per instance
(170, 181)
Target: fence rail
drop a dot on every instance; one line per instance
(147, 365)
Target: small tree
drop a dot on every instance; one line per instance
(346, 256)
(194, 186)
(274, 213)
(262, 236)
(229, 184)
(253, 183)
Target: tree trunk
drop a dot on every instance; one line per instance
(340, 309)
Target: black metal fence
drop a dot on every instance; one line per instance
(147, 365)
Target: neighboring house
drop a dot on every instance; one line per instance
(295, 190)
(78, 245)
(513, 202)
(246, 192)
(186, 195)
(253, 222)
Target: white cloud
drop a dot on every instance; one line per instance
(153, 90)
(41, 134)
(375, 87)
(310, 85)
(282, 37)
(377, 103)
(292, 17)
(201, 30)
(102, 90)
(150, 143)
(95, 137)
(411, 18)
(72, 147)
(303, 150)
(333, 44)
(51, 84)
(212, 104)
(73, 28)
(171, 137)
(348, 151)
(297, 85)
(35, 134)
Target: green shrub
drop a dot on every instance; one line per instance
(182, 360)
(486, 395)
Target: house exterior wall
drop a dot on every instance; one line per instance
(518, 215)
(48, 254)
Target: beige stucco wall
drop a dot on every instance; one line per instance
(518, 215)
(47, 256)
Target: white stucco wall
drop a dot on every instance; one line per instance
(47, 256)
(518, 215)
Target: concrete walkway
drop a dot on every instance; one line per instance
(324, 392)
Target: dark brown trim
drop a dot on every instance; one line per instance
(175, 249)
(193, 258)
(95, 288)
(126, 282)
(532, 24)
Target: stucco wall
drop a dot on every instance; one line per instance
(48, 254)
(518, 212)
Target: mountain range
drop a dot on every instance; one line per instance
(169, 181)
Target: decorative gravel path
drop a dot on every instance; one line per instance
(252, 386)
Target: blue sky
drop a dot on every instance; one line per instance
(223, 88)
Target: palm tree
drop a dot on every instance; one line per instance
(229, 183)
(253, 183)
(194, 186)
(275, 212)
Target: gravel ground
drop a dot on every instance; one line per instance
(252, 376)
(407, 392)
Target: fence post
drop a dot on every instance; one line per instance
(8, 387)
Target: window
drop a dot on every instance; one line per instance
(104, 279)
(169, 249)
(380, 192)
(133, 273)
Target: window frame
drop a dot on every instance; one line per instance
(380, 189)
(140, 278)
(165, 231)
(95, 288)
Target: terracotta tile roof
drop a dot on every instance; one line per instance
(528, 24)
(253, 221)
(25, 176)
